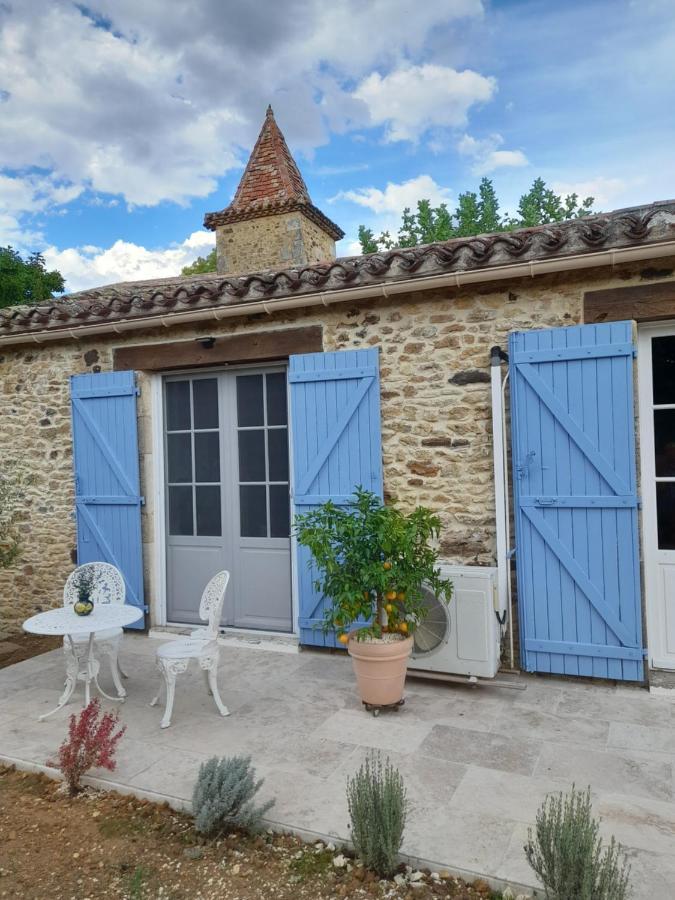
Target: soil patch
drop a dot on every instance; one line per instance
(104, 845)
(16, 647)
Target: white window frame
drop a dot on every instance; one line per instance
(648, 521)
(158, 610)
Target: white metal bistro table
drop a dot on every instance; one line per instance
(81, 665)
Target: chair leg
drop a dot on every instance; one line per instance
(121, 670)
(209, 663)
(111, 649)
(213, 684)
(169, 670)
(206, 681)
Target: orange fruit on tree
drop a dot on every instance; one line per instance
(386, 565)
(389, 607)
(344, 638)
(391, 595)
(401, 596)
(403, 627)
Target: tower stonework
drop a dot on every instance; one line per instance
(271, 222)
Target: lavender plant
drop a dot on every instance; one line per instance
(378, 804)
(567, 853)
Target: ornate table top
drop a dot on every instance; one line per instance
(65, 620)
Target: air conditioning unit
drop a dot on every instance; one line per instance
(463, 637)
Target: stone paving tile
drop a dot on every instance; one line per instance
(640, 775)
(516, 797)
(524, 722)
(624, 735)
(491, 751)
(647, 824)
(173, 774)
(640, 709)
(390, 731)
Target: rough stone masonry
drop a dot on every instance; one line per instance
(436, 417)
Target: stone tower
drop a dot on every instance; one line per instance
(271, 223)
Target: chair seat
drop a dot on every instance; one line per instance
(187, 648)
(106, 635)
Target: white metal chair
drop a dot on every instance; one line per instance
(108, 587)
(174, 657)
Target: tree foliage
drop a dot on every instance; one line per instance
(201, 265)
(476, 213)
(26, 281)
(372, 561)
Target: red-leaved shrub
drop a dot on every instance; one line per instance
(91, 743)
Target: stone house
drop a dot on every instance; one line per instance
(290, 376)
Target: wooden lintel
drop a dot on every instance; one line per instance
(642, 302)
(260, 346)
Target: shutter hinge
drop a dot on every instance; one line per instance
(138, 391)
(142, 501)
(635, 353)
(146, 608)
(638, 502)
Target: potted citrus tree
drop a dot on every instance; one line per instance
(372, 560)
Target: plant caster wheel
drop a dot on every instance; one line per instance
(375, 710)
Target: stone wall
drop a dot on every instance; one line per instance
(436, 422)
(271, 242)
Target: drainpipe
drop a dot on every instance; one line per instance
(499, 456)
(341, 295)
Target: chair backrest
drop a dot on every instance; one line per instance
(211, 604)
(108, 584)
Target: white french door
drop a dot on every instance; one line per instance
(656, 375)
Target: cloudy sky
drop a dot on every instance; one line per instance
(123, 121)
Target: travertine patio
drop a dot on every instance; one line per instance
(477, 761)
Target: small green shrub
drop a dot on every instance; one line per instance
(567, 853)
(223, 796)
(378, 803)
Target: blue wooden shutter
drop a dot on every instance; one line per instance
(107, 493)
(577, 540)
(335, 419)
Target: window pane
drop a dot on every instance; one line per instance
(207, 500)
(177, 405)
(253, 510)
(665, 514)
(277, 449)
(179, 453)
(276, 398)
(250, 400)
(252, 455)
(280, 516)
(663, 369)
(664, 441)
(205, 401)
(180, 510)
(207, 456)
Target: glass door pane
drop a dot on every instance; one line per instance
(262, 443)
(193, 457)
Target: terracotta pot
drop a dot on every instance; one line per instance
(380, 668)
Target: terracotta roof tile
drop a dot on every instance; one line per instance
(637, 226)
(271, 185)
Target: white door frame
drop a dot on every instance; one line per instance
(158, 609)
(656, 627)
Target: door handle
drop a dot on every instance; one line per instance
(544, 501)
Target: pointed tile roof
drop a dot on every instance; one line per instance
(271, 184)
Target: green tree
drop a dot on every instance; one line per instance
(26, 280)
(476, 213)
(201, 265)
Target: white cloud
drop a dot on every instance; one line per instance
(396, 197)
(144, 101)
(412, 99)
(487, 155)
(604, 190)
(88, 266)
